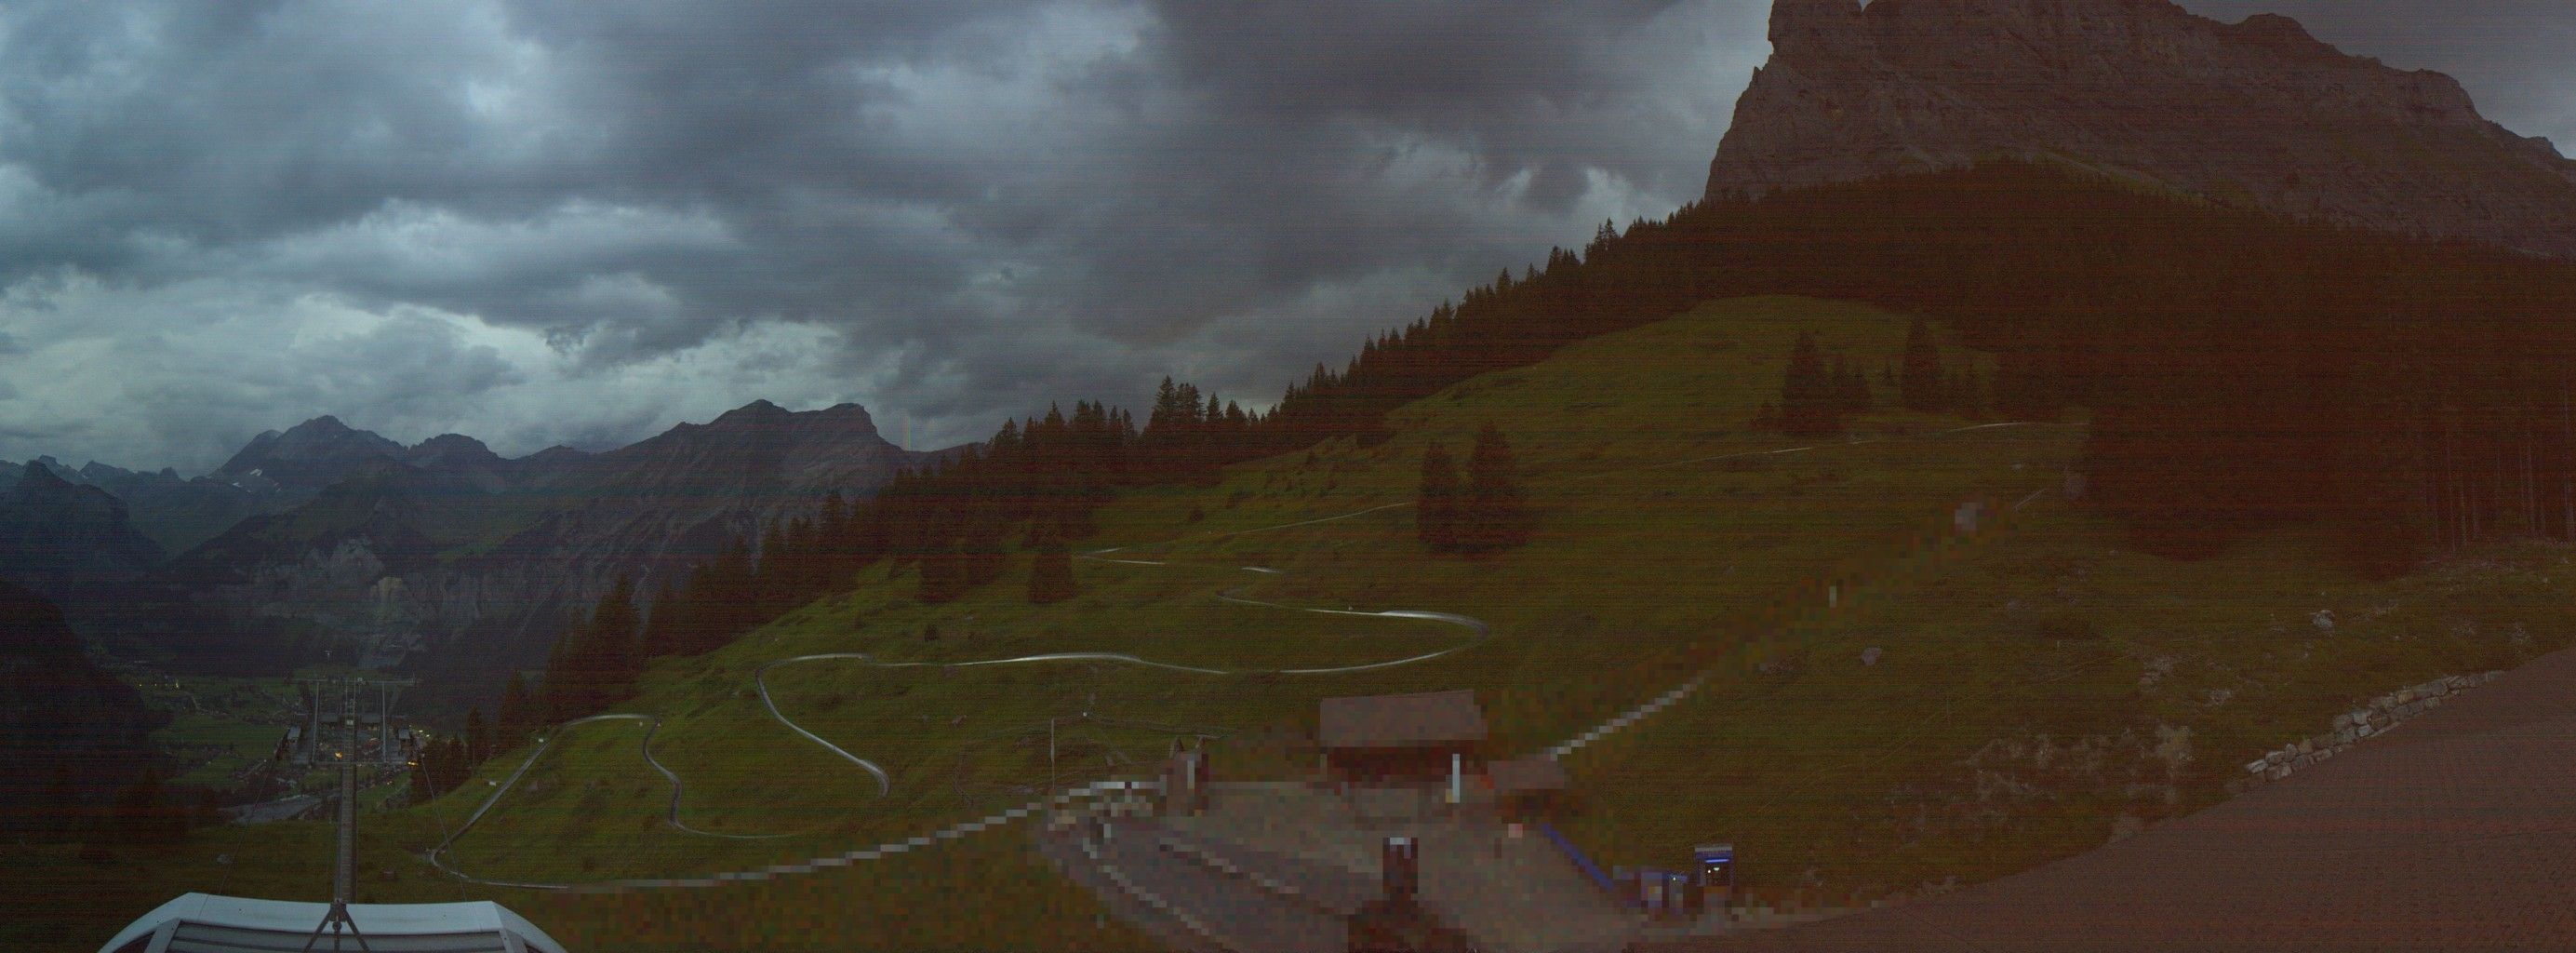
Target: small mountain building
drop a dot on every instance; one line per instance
(1526, 788)
(1378, 739)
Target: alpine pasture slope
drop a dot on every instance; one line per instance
(1647, 567)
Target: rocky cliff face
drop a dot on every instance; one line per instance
(2257, 113)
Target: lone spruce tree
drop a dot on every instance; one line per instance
(1496, 516)
(1436, 510)
(518, 711)
(1051, 573)
(1920, 387)
(1808, 399)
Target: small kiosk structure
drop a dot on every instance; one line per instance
(1386, 739)
(1715, 876)
(1185, 780)
(1527, 789)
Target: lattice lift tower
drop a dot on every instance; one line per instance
(349, 735)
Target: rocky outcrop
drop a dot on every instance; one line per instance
(2257, 113)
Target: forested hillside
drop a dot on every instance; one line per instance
(2241, 371)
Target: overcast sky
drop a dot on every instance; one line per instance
(577, 222)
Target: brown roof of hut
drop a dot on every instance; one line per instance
(1526, 775)
(1401, 721)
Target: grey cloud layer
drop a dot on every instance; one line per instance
(543, 222)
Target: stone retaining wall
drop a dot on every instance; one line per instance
(2380, 714)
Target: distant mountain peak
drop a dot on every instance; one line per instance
(2258, 113)
(40, 475)
(756, 412)
(844, 417)
(311, 455)
(451, 441)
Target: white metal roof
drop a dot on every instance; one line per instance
(206, 922)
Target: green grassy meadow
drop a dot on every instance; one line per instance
(2012, 718)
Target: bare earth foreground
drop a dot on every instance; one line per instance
(2455, 831)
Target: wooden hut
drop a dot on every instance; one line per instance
(1399, 738)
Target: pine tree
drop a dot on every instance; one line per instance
(1807, 394)
(1494, 515)
(1850, 388)
(1920, 388)
(555, 685)
(478, 737)
(595, 665)
(447, 766)
(1965, 393)
(619, 664)
(1051, 571)
(943, 575)
(2022, 387)
(518, 714)
(1602, 239)
(142, 818)
(1436, 508)
(662, 624)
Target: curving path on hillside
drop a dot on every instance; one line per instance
(437, 855)
(1482, 633)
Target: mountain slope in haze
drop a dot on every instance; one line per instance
(2257, 113)
(272, 473)
(177, 513)
(462, 562)
(69, 733)
(66, 541)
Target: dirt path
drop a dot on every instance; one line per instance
(2455, 831)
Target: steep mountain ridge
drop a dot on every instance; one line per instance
(176, 512)
(66, 541)
(2256, 113)
(464, 564)
(308, 457)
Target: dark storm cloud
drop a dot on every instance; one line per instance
(543, 222)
